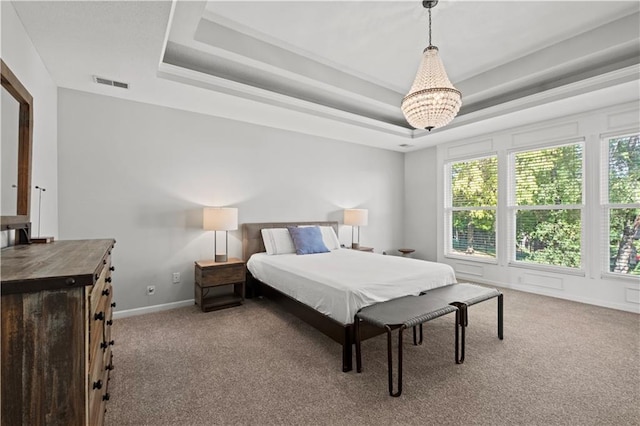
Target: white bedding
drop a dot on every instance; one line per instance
(341, 282)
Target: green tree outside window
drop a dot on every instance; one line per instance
(623, 204)
(548, 201)
(472, 208)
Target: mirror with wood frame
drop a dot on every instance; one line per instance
(19, 140)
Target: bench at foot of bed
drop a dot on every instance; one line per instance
(462, 296)
(401, 313)
(414, 311)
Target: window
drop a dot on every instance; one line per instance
(547, 204)
(621, 202)
(470, 209)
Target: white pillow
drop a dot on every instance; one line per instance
(329, 237)
(277, 241)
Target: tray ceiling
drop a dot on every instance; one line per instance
(348, 63)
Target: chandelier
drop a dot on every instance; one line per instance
(432, 101)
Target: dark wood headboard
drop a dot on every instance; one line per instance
(252, 238)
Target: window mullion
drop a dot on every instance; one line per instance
(549, 207)
(470, 208)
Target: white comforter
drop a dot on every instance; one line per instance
(341, 282)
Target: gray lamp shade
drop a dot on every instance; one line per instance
(356, 217)
(220, 218)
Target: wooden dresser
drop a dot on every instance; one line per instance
(56, 332)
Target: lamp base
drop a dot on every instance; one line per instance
(221, 258)
(42, 240)
(355, 246)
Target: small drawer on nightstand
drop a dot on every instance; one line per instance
(209, 274)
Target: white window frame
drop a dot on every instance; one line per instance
(449, 209)
(605, 205)
(513, 208)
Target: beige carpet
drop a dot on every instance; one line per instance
(561, 363)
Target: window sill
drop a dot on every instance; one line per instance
(624, 277)
(471, 259)
(549, 268)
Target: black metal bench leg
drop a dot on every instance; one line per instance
(415, 341)
(500, 317)
(465, 314)
(457, 335)
(460, 330)
(356, 325)
(390, 361)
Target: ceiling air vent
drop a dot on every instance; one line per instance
(101, 80)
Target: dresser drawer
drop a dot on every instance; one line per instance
(97, 399)
(97, 369)
(108, 322)
(98, 289)
(97, 384)
(97, 327)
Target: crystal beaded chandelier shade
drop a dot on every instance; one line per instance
(432, 101)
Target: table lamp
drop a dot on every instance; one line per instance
(356, 218)
(220, 219)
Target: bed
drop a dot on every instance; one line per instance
(326, 290)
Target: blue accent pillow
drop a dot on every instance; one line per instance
(307, 240)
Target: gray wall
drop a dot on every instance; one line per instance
(421, 210)
(142, 173)
(21, 56)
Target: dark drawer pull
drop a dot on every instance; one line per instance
(108, 279)
(113, 304)
(112, 342)
(104, 261)
(103, 345)
(105, 292)
(112, 268)
(97, 385)
(109, 367)
(105, 397)
(110, 322)
(99, 316)
(70, 281)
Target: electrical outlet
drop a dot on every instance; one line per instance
(151, 290)
(176, 277)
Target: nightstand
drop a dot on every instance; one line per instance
(210, 274)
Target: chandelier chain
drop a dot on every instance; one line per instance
(429, 26)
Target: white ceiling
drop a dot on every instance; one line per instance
(340, 69)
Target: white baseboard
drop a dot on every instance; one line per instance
(154, 308)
